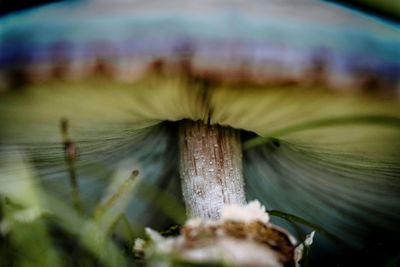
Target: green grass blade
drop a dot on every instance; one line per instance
(328, 122)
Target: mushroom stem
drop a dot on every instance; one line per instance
(210, 168)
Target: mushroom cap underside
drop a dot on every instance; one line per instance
(318, 85)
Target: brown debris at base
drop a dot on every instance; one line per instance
(265, 234)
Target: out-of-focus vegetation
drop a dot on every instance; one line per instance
(39, 229)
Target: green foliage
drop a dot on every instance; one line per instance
(298, 220)
(38, 226)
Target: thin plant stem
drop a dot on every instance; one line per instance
(121, 219)
(71, 154)
(101, 209)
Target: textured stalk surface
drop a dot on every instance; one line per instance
(211, 168)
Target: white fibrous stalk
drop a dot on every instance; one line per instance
(210, 168)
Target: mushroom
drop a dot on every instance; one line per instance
(307, 91)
